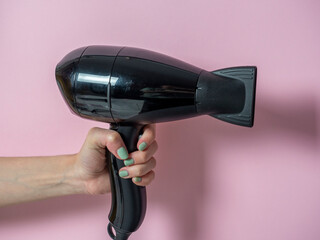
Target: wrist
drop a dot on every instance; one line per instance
(74, 177)
(63, 178)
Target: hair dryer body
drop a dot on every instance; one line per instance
(131, 87)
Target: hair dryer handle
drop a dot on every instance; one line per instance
(128, 200)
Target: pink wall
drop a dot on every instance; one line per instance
(214, 180)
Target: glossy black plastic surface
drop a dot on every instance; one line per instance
(123, 84)
(66, 71)
(146, 91)
(91, 87)
(158, 58)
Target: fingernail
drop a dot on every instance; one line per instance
(137, 179)
(123, 173)
(142, 146)
(128, 162)
(122, 152)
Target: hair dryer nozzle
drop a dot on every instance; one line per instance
(248, 76)
(228, 94)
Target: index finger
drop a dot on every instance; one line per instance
(148, 136)
(99, 138)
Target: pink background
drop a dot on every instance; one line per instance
(214, 180)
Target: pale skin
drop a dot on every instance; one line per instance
(25, 179)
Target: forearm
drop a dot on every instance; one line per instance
(32, 178)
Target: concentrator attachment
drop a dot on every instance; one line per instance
(228, 94)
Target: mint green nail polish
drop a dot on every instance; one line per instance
(122, 152)
(128, 162)
(137, 179)
(123, 173)
(142, 146)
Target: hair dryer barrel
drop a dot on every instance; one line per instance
(131, 85)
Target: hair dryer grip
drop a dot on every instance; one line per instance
(128, 200)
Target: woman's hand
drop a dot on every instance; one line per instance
(91, 160)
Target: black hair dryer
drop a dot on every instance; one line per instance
(130, 87)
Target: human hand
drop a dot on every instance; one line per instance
(91, 160)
